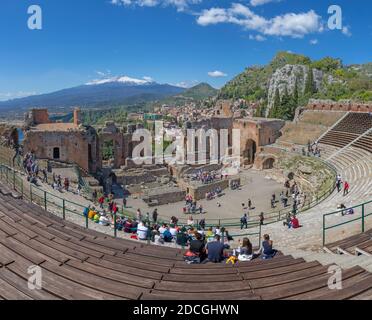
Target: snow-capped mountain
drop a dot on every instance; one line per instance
(107, 92)
(122, 79)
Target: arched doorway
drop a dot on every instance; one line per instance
(249, 152)
(268, 163)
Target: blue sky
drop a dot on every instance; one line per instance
(171, 41)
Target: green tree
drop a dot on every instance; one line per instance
(274, 111)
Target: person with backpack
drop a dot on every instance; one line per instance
(244, 221)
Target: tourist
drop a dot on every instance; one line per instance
(155, 215)
(96, 217)
(209, 234)
(142, 231)
(182, 237)
(134, 226)
(249, 204)
(162, 229)
(104, 220)
(190, 221)
(158, 239)
(214, 250)
(86, 211)
(202, 224)
(91, 213)
(267, 248)
(245, 251)
(124, 202)
(200, 209)
(139, 215)
(66, 184)
(128, 226)
(338, 182)
(342, 207)
(287, 221)
(262, 218)
(197, 245)
(101, 200)
(346, 188)
(94, 195)
(45, 176)
(294, 222)
(173, 230)
(167, 236)
(226, 239)
(78, 190)
(217, 230)
(115, 208)
(244, 221)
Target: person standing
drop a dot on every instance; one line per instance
(346, 188)
(155, 215)
(244, 221)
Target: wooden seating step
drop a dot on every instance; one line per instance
(93, 281)
(351, 287)
(137, 264)
(21, 285)
(202, 286)
(117, 276)
(147, 274)
(59, 286)
(228, 296)
(302, 286)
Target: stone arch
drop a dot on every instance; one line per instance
(249, 152)
(268, 163)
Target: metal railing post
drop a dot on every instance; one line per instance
(63, 209)
(148, 231)
(45, 200)
(14, 177)
(31, 193)
(115, 229)
(324, 231)
(363, 217)
(86, 221)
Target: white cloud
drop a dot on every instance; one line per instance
(257, 37)
(181, 5)
(15, 95)
(290, 24)
(186, 84)
(217, 74)
(314, 41)
(346, 31)
(256, 3)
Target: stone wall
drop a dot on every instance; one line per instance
(164, 197)
(329, 105)
(198, 191)
(74, 146)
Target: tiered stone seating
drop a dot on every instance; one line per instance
(84, 264)
(349, 129)
(355, 245)
(364, 143)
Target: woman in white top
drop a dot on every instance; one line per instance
(142, 231)
(190, 221)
